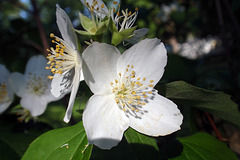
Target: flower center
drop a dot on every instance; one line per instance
(131, 94)
(95, 7)
(37, 84)
(126, 20)
(61, 59)
(3, 93)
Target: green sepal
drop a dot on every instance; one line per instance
(102, 27)
(112, 26)
(128, 33)
(85, 33)
(89, 26)
(118, 37)
(86, 22)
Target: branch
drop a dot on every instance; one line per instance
(214, 127)
(34, 45)
(40, 27)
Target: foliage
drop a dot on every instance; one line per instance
(209, 84)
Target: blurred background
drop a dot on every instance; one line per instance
(202, 38)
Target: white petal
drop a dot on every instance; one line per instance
(81, 75)
(75, 86)
(4, 73)
(99, 66)
(49, 97)
(35, 104)
(104, 122)
(148, 58)
(62, 83)
(104, 10)
(160, 117)
(37, 64)
(4, 106)
(18, 83)
(66, 28)
(4, 80)
(138, 34)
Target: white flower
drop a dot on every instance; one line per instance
(6, 93)
(100, 10)
(33, 87)
(65, 61)
(97, 7)
(123, 19)
(124, 94)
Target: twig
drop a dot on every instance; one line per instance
(18, 5)
(40, 27)
(34, 45)
(214, 126)
(233, 71)
(233, 18)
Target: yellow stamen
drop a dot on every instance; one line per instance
(50, 77)
(51, 35)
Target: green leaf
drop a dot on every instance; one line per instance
(64, 143)
(144, 147)
(202, 146)
(217, 103)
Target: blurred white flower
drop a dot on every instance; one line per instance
(195, 48)
(6, 93)
(167, 9)
(33, 87)
(65, 62)
(123, 93)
